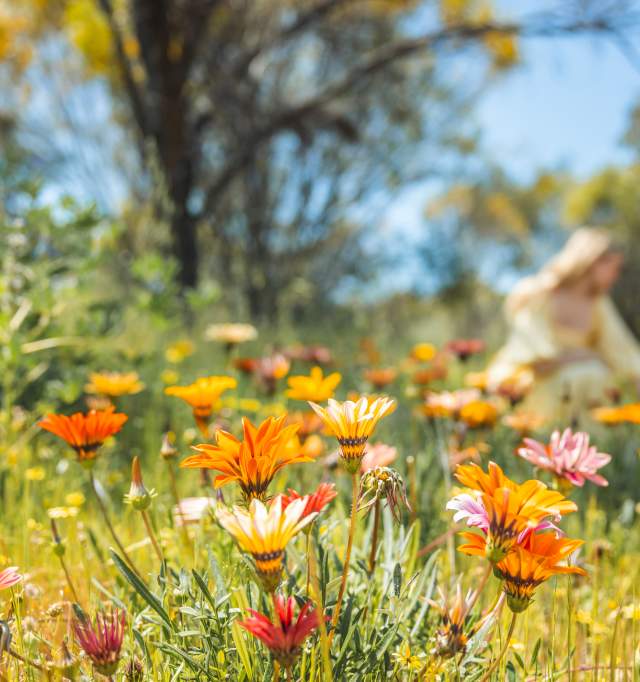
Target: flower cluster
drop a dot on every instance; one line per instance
(517, 528)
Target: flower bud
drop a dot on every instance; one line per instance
(138, 497)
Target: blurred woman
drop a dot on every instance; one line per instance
(566, 338)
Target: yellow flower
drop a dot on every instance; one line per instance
(231, 334)
(265, 532)
(75, 499)
(352, 423)
(315, 387)
(423, 352)
(114, 384)
(405, 659)
(169, 376)
(479, 413)
(179, 350)
(203, 395)
(253, 461)
(35, 474)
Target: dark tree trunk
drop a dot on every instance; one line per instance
(185, 248)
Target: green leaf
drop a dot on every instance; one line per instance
(141, 588)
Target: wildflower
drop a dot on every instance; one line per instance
(352, 423)
(265, 532)
(319, 355)
(114, 384)
(313, 387)
(516, 387)
(271, 369)
(533, 562)
(169, 376)
(9, 577)
(85, 433)
(231, 334)
(383, 483)
(479, 413)
(477, 380)
(76, 499)
(629, 414)
(453, 634)
(192, 510)
(312, 446)
(427, 376)
(203, 395)
(423, 352)
(35, 474)
(406, 660)
(449, 403)
(505, 512)
(568, 456)
(523, 422)
(138, 496)
(380, 377)
(179, 351)
(101, 641)
(284, 638)
(246, 365)
(168, 448)
(253, 461)
(463, 349)
(377, 455)
(316, 502)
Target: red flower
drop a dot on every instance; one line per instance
(101, 641)
(284, 638)
(464, 348)
(316, 502)
(85, 433)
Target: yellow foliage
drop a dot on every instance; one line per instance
(505, 213)
(15, 49)
(503, 49)
(454, 11)
(89, 32)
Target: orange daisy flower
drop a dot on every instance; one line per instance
(533, 562)
(479, 413)
(380, 377)
(506, 512)
(253, 461)
(85, 433)
(114, 384)
(203, 395)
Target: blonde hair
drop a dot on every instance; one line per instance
(584, 248)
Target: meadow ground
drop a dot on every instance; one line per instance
(172, 586)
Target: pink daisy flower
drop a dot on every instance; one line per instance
(568, 455)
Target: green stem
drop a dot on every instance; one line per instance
(347, 559)
(503, 650)
(69, 581)
(374, 537)
(27, 661)
(152, 535)
(114, 535)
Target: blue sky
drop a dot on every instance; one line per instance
(565, 107)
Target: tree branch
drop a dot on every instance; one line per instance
(137, 103)
(291, 118)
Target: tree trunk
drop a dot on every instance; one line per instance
(185, 247)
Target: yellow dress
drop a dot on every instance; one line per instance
(569, 391)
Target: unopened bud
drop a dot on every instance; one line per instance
(138, 497)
